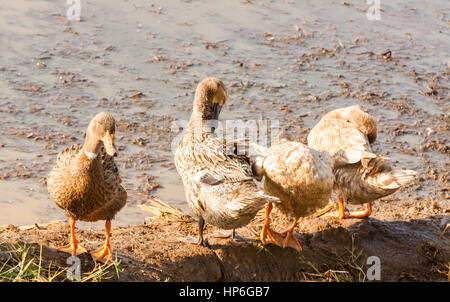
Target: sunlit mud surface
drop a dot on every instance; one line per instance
(290, 61)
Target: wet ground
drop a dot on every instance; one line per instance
(332, 250)
(290, 61)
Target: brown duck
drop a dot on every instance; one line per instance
(85, 183)
(361, 176)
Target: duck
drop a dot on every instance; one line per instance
(85, 183)
(301, 177)
(361, 176)
(219, 186)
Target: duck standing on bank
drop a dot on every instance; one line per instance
(85, 183)
(302, 178)
(219, 186)
(361, 176)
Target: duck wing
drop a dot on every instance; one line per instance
(216, 166)
(115, 194)
(64, 159)
(343, 141)
(57, 180)
(227, 178)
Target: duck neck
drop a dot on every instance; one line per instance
(202, 111)
(196, 120)
(91, 147)
(203, 103)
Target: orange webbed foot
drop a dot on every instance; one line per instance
(72, 248)
(291, 241)
(289, 238)
(103, 254)
(275, 237)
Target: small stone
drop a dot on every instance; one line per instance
(109, 47)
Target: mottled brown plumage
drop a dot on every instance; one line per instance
(85, 181)
(87, 190)
(361, 176)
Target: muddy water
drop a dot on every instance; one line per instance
(141, 60)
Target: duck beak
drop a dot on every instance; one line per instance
(216, 110)
(108, 142)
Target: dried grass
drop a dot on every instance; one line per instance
(163, 211)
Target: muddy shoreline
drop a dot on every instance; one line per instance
(409, 249)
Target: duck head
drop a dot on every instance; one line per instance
(101, 130)
(210, 96)
(360, 117)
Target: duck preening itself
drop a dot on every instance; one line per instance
(361, 176)
(301, 177)
(219, 187)
(86, 184)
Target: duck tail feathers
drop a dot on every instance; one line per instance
(403, 177)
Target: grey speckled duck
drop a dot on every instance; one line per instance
(303, 180)
(361, 176)
(219, 187)
(85, 183)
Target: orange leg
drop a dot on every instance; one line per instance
(104, 254)
(357, 214)
(73, 247)
(342, 213)
(290, 239)
(266, 231)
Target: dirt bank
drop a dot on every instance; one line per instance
(409, 248)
